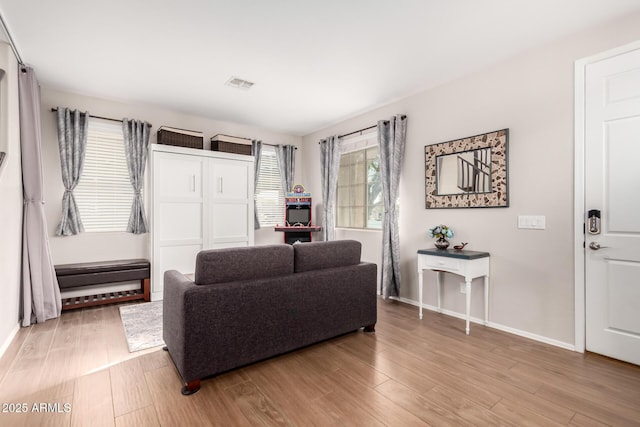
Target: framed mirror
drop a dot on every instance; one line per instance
(470, 172)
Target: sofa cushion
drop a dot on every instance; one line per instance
(319, 255)
(245, 263)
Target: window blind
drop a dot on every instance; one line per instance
(359, 198)
(269, 196)
(104, 193)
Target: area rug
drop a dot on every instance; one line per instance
(142, 325)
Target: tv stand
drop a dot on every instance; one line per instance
(295, 234)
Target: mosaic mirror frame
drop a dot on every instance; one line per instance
(497, 197)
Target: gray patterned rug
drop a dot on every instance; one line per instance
(142, 325)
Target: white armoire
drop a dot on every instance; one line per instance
(200, 200)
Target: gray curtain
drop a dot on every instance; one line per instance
(391, 142)
(329, 167)
(256, 150)
(286, 155)
(136, 148)
(40, 291)
(72, 143)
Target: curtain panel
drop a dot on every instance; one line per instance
(72, 143)
(329, 168)
(256, 150)
(286, 155)
(136, 148)
(391, 143)
(40, 291)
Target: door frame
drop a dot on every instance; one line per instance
(579, 207)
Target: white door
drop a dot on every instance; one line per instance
(178, 215)
(612, 186)
(230, 203)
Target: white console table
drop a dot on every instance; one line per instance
(469, 264)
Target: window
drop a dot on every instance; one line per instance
(269, 195)
(104, 193)
(359, 200)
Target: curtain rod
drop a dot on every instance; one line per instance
(11, 43)
(275, 145)
(54, 109)
(362, 130)
(356, 131)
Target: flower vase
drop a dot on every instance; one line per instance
(442, 243)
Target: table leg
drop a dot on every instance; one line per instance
(486, 300)
(439, 289)
(468, 295)
(420, 291)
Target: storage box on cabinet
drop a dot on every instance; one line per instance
(180, 137)
(231, 144)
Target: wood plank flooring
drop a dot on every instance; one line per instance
(78, 372)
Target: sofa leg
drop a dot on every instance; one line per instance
(370, 328)
(191, 387)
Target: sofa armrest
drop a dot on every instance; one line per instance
(176, 287)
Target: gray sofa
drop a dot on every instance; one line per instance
(252, 303)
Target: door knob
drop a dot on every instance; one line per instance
(595, 246)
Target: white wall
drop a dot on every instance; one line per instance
(532, 279)
(10, 199)
(87, 247)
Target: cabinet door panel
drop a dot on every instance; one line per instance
(181, 258)
(229, 222)
(180, 221)
(229, 180)
(179, 176)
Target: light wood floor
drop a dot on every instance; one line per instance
(410, 372)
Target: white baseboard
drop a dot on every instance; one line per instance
(514, 331)
(7, 342)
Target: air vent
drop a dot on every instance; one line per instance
(239, 83)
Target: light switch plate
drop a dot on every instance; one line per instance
(533, 222)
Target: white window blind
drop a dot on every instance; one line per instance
(104, 193)
(359, 199)
(269, 195)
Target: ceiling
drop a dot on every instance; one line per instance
(314, 63)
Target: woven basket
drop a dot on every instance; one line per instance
(170, 137)
(231, 147)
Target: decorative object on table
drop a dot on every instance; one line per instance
(460, 246)
(441, 233)
(469, 172)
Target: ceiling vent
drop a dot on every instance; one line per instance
(239, 83)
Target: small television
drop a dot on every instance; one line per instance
(299, 215)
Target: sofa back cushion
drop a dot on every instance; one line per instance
(319, 255)
(245, 263)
